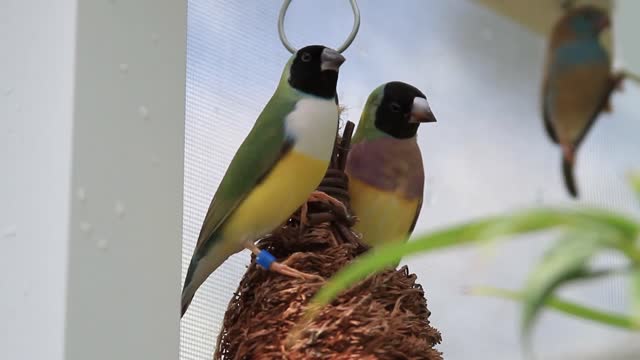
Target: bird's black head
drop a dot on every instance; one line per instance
(314, 70)
(401, 110)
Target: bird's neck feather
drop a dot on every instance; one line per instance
(369, 132)
(580, 52)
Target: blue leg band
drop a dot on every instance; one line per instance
(265, 259)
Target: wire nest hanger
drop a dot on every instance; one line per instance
(341, 49)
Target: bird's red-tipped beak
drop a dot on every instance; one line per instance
(421, 112)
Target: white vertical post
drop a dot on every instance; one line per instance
(91, 139)
(36, 107)
(127, 176)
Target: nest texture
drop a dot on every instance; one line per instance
(384, 316)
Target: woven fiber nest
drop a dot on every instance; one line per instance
(383, 317)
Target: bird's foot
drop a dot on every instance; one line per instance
(268, 261)
(616, 85)
(252, 247)
(617, 80)
(324, 197)
(303, 217)
(291, 272)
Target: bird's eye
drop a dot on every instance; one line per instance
(306, 57)
(395, 107)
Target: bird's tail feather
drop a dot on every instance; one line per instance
(186, 301)
(569, 179)
(201, 266)
(188, 289)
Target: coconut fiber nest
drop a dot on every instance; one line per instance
(384, 316)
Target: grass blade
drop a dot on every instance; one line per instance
(566, 261)
(563, 306)
(473, 232)
(635, 297)
(634, 179)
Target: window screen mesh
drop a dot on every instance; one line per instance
(487, 153)
(225, 91)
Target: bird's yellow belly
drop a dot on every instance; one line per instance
(285, 189)
(383, 216)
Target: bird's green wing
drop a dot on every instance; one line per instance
(263, 147)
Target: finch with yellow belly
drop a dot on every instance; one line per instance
(384, 166)
(279, 164)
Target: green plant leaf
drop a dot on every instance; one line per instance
(566, 261)
(563, 306)
(472, 232)
(634, 179)
(635, 297)
(620, 229)
(628, 228)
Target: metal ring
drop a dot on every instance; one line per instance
(342, 48)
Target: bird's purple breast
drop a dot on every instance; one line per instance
(389, 164)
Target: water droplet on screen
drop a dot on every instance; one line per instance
(155, 161)
(102, 244)
(119, 209)
(143, 112)
(81, 194)
(86, 227)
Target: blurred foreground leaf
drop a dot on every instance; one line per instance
(635, 297)
(475, 232)
(565, 262)
(634, 179)
(563, 306)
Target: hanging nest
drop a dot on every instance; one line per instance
(383, 317)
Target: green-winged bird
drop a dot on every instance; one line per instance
(384, 166)
(279, 164)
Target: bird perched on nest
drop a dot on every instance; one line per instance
(577, 82)
(281, 162)
(384, 165)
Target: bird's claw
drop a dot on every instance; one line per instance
(303, 217)
(341, 212)
(617, 79)
(291, 272)
(616, 85)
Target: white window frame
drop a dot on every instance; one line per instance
(92, 133)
